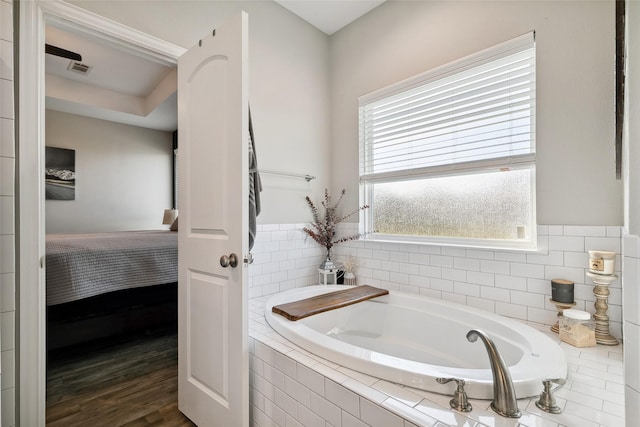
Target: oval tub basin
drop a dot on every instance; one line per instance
(412, 340)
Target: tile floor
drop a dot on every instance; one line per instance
(592, 397)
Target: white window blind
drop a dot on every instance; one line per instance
(479, 110)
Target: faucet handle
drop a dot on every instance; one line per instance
(547, 402)
(460, 402)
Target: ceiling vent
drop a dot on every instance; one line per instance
(78, 67)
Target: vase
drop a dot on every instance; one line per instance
(349, 279)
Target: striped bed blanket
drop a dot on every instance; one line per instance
(85, 265)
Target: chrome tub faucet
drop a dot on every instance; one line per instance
(504, 395)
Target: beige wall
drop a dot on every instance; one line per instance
(7, 219)
(576, 182)
(123, 175)
(288, 87)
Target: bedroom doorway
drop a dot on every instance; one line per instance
(111, 324)
(32, 312)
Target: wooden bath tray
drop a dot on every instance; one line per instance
(320, 303)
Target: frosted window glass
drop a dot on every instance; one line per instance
(494, 205)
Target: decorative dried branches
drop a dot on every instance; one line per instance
(323, 229)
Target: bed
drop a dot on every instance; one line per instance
(105, 284)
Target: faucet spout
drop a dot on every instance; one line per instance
(504, 395)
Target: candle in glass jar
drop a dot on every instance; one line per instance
(602, 262)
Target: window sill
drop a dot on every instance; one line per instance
(512, 247)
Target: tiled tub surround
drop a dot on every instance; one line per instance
(291, 387)
(514, 284)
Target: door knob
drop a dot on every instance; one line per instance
(231, 260)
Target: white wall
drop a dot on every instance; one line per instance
(631, 247)
(7, 219)
(289, 87)
(123, 175)
(576, 182)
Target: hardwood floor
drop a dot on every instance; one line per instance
(132, 382)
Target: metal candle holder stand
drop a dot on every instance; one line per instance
(601, 292)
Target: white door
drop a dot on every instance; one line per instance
(213, 224)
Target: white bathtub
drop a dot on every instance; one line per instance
(412, 340)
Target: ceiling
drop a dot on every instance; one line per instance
(126, 88)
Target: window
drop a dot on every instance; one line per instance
(448, 156)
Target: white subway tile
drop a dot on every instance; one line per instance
(399, 278)
(275, 413)
(7, 176)
(419, 258)
(430, 271)
(308, 418)
(7, 292)
(296, 390)
(7, 253)
(292, 422)
(310, 379)
(7, 146)
(466, 289)
(6, 23)
(381, 254)
(347, 400)
(389, 266)
(430, 249)
(453, 251)
(603, 244)
(495, 267)
(528, 299)
(484, 279)
(376, 416)
(469, 264)
(527, 270)
(631, 351)
(576, 259)
(567, 243)
(579, 230)
(632, 404)
(8, 369)
(399, 256)
(511, 256)
(402, 394)
(326, 409)
(576, 275)
(419, 281)
(349, 420)
(481, 303)
(454, 274)
(550, 258)
(409, 268)
(286, 402)
(413, 415)
(381, 275)
(511, 282)
(631, 281)
(457, 298)
(614, 231)
(8, 398)
(542, 316)
(441, 285)
(284, 364)
(442, 261)
(555, 230)
(495, 294)
(365, 391)
(510, 310)
(631, 245)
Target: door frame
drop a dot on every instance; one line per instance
(30, 201)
